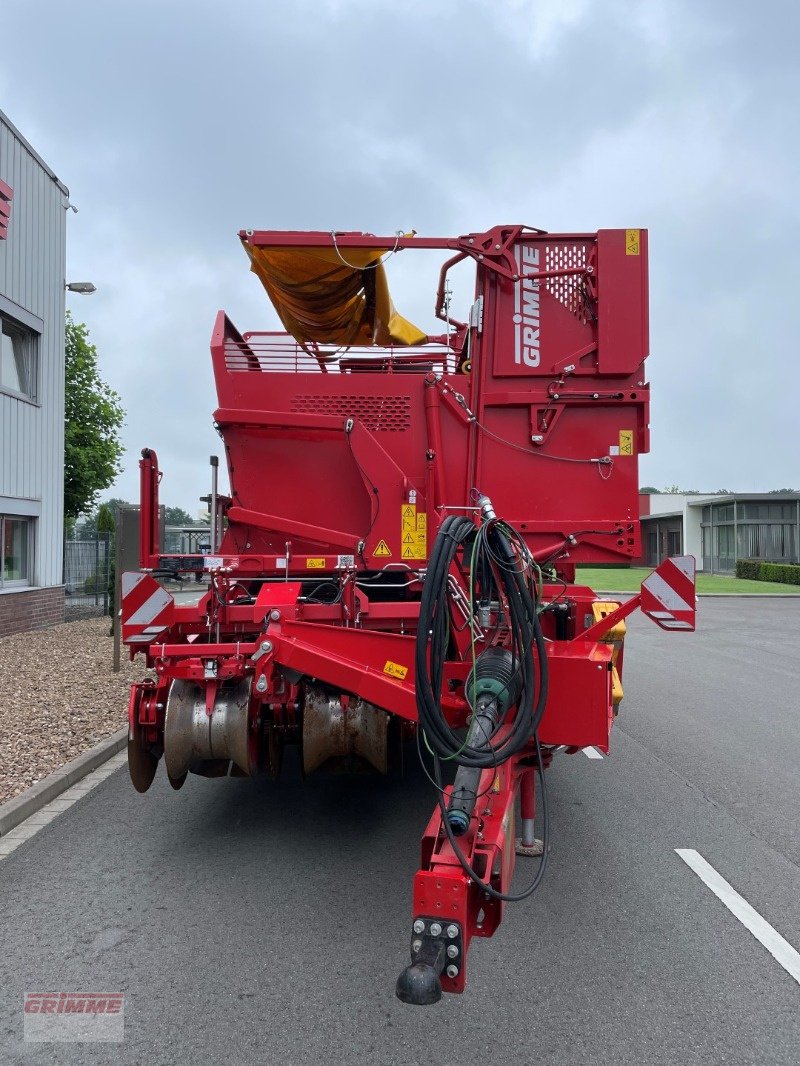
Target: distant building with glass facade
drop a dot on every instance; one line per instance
(718, 530)
(749, 526)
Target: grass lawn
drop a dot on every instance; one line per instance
(628, 579)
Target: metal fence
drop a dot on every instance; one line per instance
(87, 577)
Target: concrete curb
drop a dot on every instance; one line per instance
(16, 810)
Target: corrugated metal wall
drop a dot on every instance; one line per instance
(32, 267)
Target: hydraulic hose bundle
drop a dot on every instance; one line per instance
(498, 567)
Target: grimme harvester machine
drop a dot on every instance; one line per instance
(396, 558)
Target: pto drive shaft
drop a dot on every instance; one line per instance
(492, 687)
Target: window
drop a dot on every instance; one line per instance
(707, 550)
(725, 541)
(19, 349)
(674, 542)
(761, 512)
(15, 541)
(652, 547)
(753, 512)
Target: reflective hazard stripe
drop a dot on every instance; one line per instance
(130, 581)
(668, 594)
(665, 593)
(146, 608)
(150, 609)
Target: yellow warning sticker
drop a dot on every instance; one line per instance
(632, 241)
(413, 532)
(395, 670)
(626, 442)
(315, 564)
(422, 540)
(382, 549)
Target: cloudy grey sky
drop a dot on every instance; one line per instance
(175, 124)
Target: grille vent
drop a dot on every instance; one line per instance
(568, 290)
(388, 414)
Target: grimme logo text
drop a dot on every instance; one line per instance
(73, 1002)
(526, 307)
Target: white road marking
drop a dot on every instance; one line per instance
(592, 753)
(780, 949)
(31, 826)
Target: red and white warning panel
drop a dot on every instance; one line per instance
(147, 609)
(669, 596)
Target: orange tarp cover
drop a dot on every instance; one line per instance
(321, 299)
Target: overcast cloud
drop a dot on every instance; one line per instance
(175, 124)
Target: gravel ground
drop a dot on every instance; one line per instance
(58, 697)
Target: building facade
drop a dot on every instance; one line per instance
(758, 526)
(33, 206)
(718, 530)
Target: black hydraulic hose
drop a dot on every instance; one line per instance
(538, 638)
(431, 648)
(490, 890)
(495, 560)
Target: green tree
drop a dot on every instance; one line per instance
(649, 489)
(88, 526)
(176, 516)
(93, 417)
(106, 520)
(107, 523)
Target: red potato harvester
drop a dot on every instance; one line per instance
(396, 558)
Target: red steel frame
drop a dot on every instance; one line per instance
(540, 401)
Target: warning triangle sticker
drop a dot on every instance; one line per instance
(409, 538)
(409, 511)
(382, 549)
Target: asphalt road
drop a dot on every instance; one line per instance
(248, 922)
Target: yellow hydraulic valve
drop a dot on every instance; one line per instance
(616, 637)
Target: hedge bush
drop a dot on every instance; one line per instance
(783, 573)
(94, 583)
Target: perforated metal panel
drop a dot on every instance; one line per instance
(389, 414)
(568, 290)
